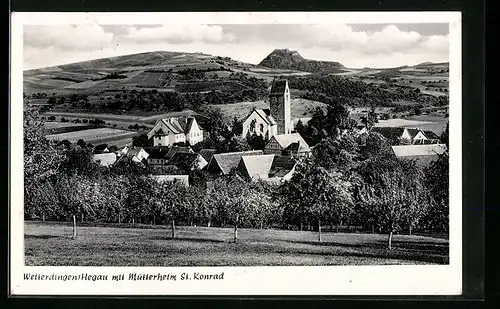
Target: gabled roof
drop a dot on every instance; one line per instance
(258, 166)
(174, 126)
(105, 159)
(268, 118)
(284, 140)
(278, 87)
(175, 149)
(183, 179)
(134, 151)
(207, 154)
(419, 150)
(413, 132)
(189, 124)
(430, 135)
(230, 160)
(281, 166)
(297, 147)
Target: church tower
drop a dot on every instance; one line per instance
(279, 99)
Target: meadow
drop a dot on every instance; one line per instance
(50, 243)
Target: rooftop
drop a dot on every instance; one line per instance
(284, 140)
(258, 166)
(230, 160)
(419, 150)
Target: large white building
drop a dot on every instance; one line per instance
(275, 120)
(173, 130)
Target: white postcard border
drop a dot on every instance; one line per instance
(304, 280)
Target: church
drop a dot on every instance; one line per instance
(275, 120)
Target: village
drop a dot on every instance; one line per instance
(172, 139)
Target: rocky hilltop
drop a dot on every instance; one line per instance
(291, 60)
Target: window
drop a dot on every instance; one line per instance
(261, 127)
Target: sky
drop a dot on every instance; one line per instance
(353, 45)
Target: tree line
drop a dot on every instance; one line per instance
(343, 183)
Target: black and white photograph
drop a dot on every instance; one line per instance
(204, 146)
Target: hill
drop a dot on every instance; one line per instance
(292, 60)
(168, 81)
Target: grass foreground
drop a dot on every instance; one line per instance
(50, 244)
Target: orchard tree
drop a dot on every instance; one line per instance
(116, 189)
(78, 195)
(41, 201)
(41, 156)
(341, 153)
(395, 198)
(172, 200)
(438, 184)
(142, 197)
(323, 194)
(232, 200)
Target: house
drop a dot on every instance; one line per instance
(424, 154)
(267, 167)
(255, 167)
(105, 159)
(432, 137)
(169, 131)
(207, 154)
(182, 179)
(188, 161)
(157, 156)
(224, 163)
(276, 119)
(407, 136)
(288, 144)
(135, 154)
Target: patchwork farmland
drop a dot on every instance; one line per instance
(99, 135)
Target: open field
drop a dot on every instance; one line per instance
(300, 108)
(92, 135)
(50, 244)
(54, 125)
(434, 123)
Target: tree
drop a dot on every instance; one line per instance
(41, 156)
(256, 142)
(78, 195)
(377, 146)
(437, 181)
(340, 154)
(171, 200)
(143, 197)
(230, 195)
(393, 194)
(41, 201)
(321, 193)
(237, 126)
(142, 141)
(233, 144)
(445, 136)
(79, 161)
